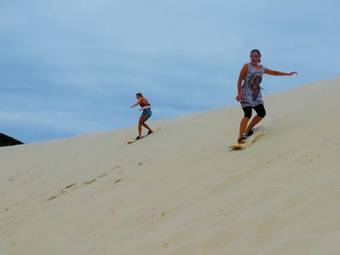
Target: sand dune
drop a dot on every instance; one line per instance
(180, 191)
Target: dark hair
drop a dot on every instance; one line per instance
(258, 53)
(139, 94)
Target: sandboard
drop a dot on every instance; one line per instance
(137, 140)
(258, 133)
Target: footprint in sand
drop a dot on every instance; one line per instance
(144, 161)
(119, 180)
(52, 197)
(71, 185)
(101, 176)
(308, 159)
(224, 212)
(159, 215)
(113, 169)
(74, 186)
(89, 182)
(68, 188)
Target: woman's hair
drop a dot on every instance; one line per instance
(258, 53)
(139, 94)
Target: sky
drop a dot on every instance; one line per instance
(73, 67)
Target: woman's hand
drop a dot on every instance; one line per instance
(239, 97)
(292, 73)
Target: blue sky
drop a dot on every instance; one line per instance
(73, 67)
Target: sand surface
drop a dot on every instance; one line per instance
(181, 191)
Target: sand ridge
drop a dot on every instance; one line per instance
(181, 191)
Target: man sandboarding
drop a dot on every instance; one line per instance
(146, 114)
(250, 97)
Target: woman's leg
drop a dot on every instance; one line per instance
(140, 124)
(244, 122)
(261, 113)
(146, 117)
(147, 127)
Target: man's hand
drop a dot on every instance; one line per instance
(292, 73)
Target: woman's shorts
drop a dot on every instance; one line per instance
(147, 113)
(260, 110)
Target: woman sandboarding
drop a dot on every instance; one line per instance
(249, 93)
(146, 114)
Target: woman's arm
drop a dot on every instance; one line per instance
(241, 78)
(277, 73)
(134, 105)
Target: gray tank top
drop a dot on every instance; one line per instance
(251, 89)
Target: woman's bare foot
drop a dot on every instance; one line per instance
(241, 139)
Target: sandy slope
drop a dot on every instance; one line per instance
(181, 191)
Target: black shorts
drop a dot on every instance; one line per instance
(259, 109)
